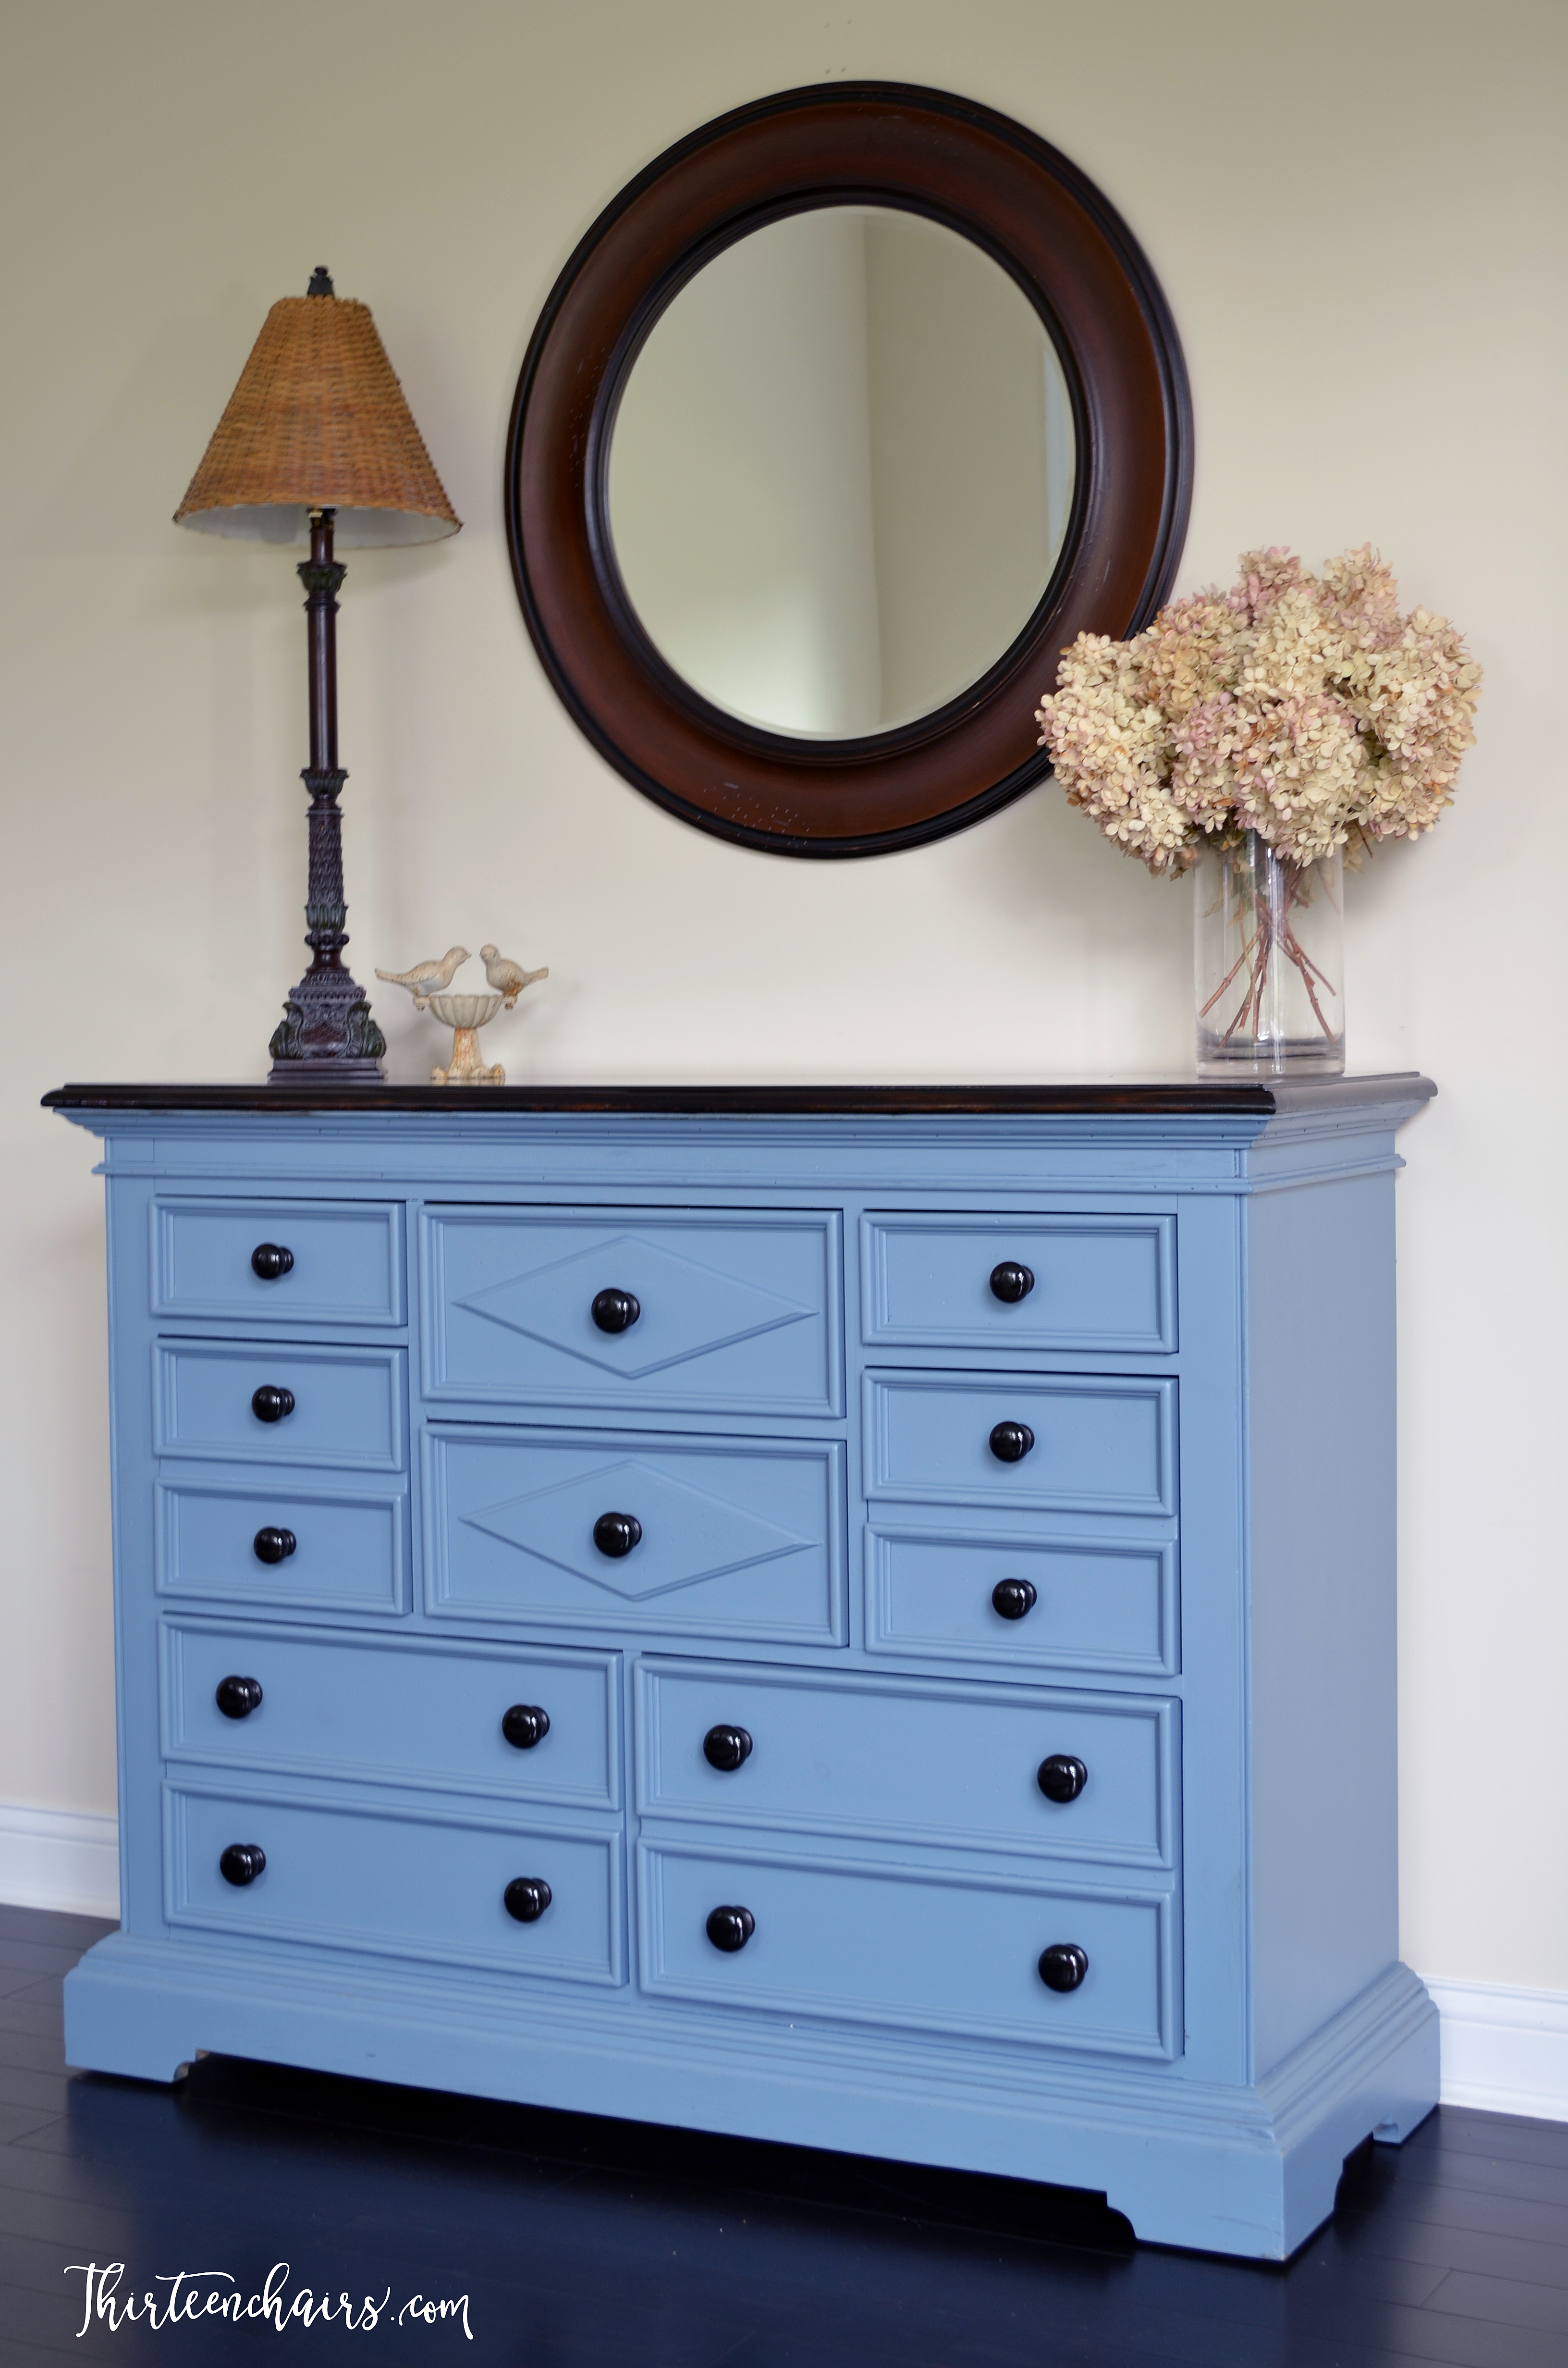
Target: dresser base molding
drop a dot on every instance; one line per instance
(1244, 2171)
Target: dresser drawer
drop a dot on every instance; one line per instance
(227, 1535)
(1103, 1282)
(909, 1759)
(1100, 1445)
(392, 1882)
(428, 1715)
(343, 1262)
(738, 1537)
(734, 1308)
(1097, 1604)
(865, 1942)
(347, 1404)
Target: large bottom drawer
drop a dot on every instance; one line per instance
(393, 1882)
(913, 1945)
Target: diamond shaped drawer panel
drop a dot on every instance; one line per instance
(392, 1713)
(1103, 1282)
(321, 1262)
(909, 1760)
(1093, 1445)
(862, 1942)
(737, 1537)
(720, 1309)
(375, 1876)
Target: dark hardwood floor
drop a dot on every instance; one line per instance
(594, 2244)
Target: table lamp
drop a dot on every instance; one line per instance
(317, 439)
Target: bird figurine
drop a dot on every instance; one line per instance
(506, 976)
(427, 978)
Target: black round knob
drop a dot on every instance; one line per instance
(617, 1533)
(271, 1402)
(1061, 1778)
(1010, 1441)
(731, 1928)
(1011, 1282)
(525, 1724)
(726, 1747)
(616, 1311)
(1012, 1598)
(273, 1545)
(527, 1898)
(237, 1697)
(271, 1261)
(242, 1862)
(1062, 1966)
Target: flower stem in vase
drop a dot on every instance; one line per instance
(1269, 962)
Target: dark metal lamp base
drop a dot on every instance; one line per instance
(327, 1032)
(320, 1072)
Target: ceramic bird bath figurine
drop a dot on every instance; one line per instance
(465, 1015)
(426, 977)
(506, 976)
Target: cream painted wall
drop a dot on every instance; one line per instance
(1356, 210)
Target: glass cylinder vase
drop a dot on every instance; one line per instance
(1269, 962)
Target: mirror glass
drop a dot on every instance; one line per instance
(840, 472)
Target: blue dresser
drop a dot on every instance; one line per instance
(857, 1617)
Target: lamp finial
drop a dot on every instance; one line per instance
(320, 282)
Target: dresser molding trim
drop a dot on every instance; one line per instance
(1179, 2160)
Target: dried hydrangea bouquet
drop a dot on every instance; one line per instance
(1259, 735)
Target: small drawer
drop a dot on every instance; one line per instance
(392, 1882)
(934, 1948)
(281, 1541)
(1090, 1445)
(278, 1262)
(429, 1714)
(908, 1761)
(341, 1406)
(707, 1309)
(728, 1537)
(1059, 1282)
(1064, 1602)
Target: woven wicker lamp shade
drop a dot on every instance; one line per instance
(318, 421)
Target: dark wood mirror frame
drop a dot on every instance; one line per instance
(844, 143)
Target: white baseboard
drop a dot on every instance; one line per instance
(59, 1858)
(1505, 2050)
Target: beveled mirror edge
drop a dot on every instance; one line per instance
(783, 770)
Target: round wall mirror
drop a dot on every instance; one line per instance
(841, 471)
(844, 420)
